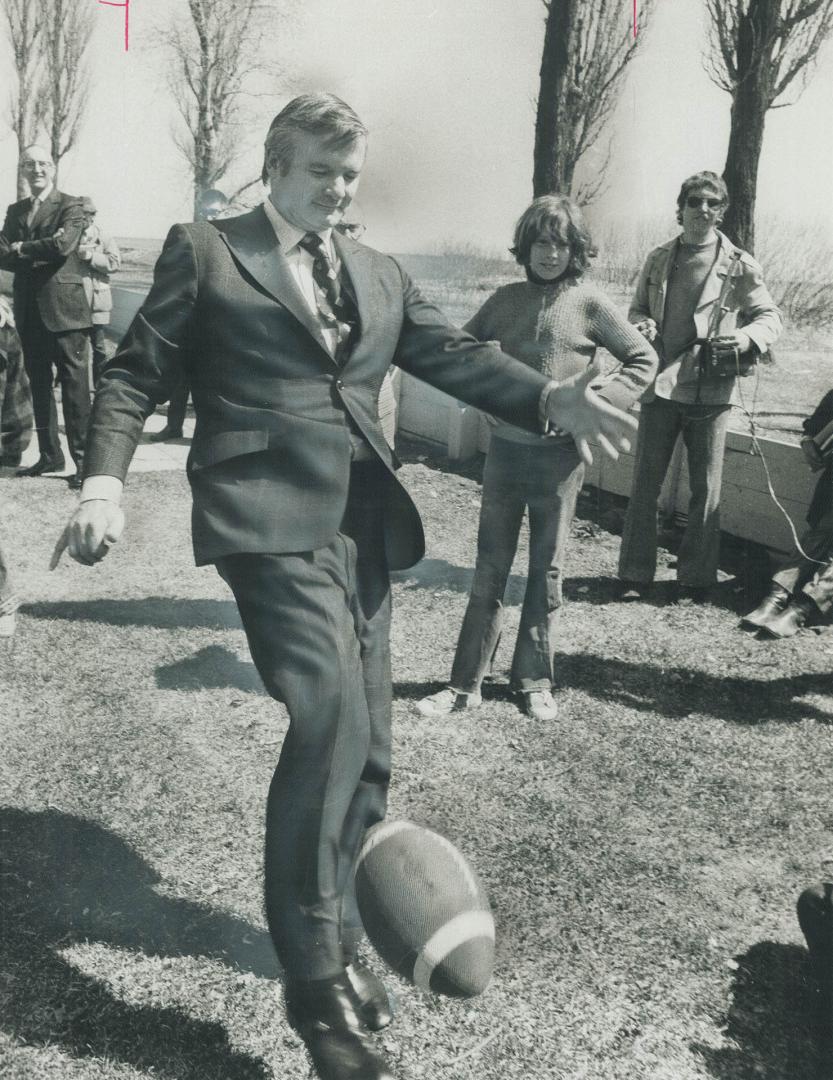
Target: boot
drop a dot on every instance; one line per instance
(772, 605)
(791, 619)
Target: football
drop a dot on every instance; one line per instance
(425, 910)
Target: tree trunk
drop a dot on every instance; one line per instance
(553, 170)
(741, 172)
(752, 97)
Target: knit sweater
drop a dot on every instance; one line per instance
(556, 329)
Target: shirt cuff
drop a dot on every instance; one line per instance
(102, 487)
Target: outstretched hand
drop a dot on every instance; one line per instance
(574, 407)
(90, 533)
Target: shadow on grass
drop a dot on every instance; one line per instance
(163, 612)
(66, 880)
(679, 691)
(775, 1023)
(440, 574)
(212, 668)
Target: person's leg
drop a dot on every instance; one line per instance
(177, 407)
(552, 488)
(9, 602)
(659, 425)
(818, 586)
(501, 513)
(15, 400)
(38, 351)
(704, 434)
(371, 607)
(72, 360)
(101, 351)
(297, 611)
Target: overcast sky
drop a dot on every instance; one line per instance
(447, 88)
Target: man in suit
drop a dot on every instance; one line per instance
(39, 243)
(285, 328)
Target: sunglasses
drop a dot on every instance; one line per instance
(695, 201)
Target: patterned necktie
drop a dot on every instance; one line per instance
(334, 306)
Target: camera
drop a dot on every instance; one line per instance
(720, 358)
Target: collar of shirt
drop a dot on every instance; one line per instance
(288, 235)
(43, 196)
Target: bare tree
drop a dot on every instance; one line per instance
(759, 50)
(23, 28)
(65, 86)
(587, 47)
(216, 54)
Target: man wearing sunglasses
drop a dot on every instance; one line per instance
(702, 301)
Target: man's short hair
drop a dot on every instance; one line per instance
(319, 114)
(88, 206)
(701, 180)
(557, 216)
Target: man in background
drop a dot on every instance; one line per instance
(695, 289)
(39, 243)
(100, 256)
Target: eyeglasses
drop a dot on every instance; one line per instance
(693, 202)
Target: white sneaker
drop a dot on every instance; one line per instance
(447, 701)
(540, 705)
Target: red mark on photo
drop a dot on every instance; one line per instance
(126, 5)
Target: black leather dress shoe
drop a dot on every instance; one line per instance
(44, 464)
(791, 619)
(769, 608)
(75, 481)
(376, 1003)
(326, 1016)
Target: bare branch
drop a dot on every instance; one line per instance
(588, 45)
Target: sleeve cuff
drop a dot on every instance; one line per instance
(102, 487)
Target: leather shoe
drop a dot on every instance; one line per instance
(326, 1016)
(791, 619)
(75, 481)
(376, 1003)
(771, 606)
(44, 464)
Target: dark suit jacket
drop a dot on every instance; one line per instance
(47, 270)
(270, 460)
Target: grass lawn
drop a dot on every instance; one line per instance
(643, 854)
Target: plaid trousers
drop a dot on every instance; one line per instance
(16, 417)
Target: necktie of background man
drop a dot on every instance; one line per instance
(337, 311)
(30, 217)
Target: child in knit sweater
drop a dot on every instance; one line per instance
(554, 321)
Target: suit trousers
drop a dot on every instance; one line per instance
(703, 429)
(814, 575)
(544, 478)
(318, 626)
(66, 352)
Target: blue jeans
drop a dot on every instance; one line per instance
(544, 478)
(703, 429)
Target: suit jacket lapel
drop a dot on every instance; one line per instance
(253, 244)
(356, 268)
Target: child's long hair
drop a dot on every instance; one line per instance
(559, 217)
